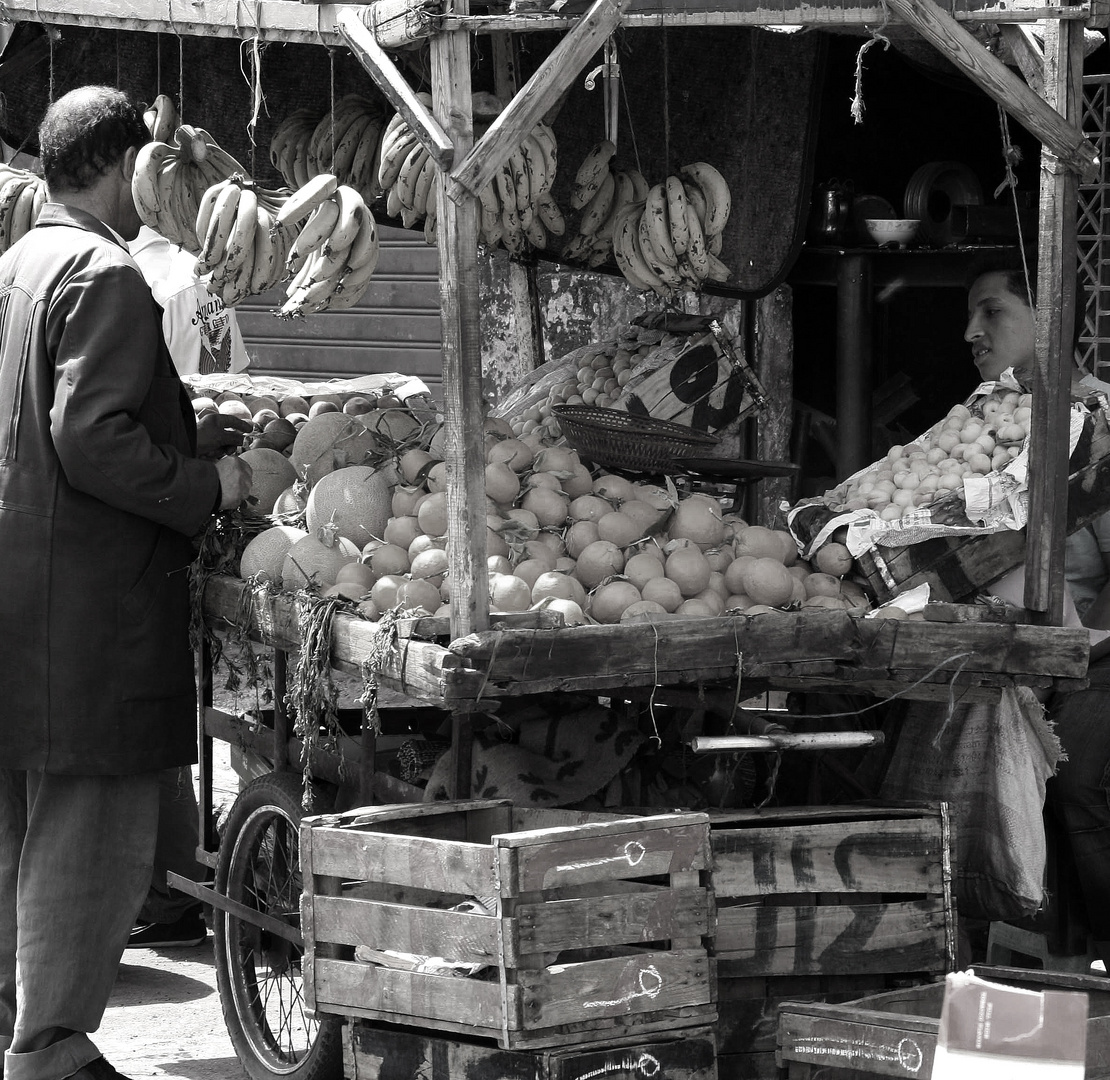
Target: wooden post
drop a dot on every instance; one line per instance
(774, 361)
(1056, 275)
(853, 364)
(462, 349)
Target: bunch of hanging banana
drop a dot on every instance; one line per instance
(22, 195)
(602, 194)
(243, 246)
(344, 142)
(336, 248)
(670, 243)
(171, 178)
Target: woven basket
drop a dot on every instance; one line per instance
(621, 440)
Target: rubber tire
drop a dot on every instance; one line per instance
(266, 813)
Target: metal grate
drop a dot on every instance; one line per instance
(1093, 234)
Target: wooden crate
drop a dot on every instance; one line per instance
(956, 568)
(895, 1034)
(823, 904)
(380, 1052)
(600, 923)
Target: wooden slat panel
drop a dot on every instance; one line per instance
(599, 852)
(439, 865)
(452, 935)
(896, 856)
(616, 919)
(833, 939)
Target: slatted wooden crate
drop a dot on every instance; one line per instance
(823, 904)
(956, 568)
(895, 1034)
(599, 927)
(379, 1052)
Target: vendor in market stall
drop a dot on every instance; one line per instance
(101, 492)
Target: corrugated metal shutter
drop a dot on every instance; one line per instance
(394, 327)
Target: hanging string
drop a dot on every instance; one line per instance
(876, 35)
(158, 52)
(251, 51)
(666, 105)
(331, 91)
(180, 73)
(631, 129)
(1011, 155)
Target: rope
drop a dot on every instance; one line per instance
(1011, 155)
(253, 49)
(857, 108)
(180, 69)
(631, 130)
(666, 105)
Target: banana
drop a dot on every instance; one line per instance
(265, 268)
(676, 214)
(576, 247)
(236, 284)
(666, 272)
(410, 172)
(286, 132)
(347, 223)
(640, 277)
(492, 230)
(696, 199)
(366, 245)
(640, 186)
(547, 209)
(144, 182)
(598, 254)
(655, 229)
(717, 270)
(393, 207)
(535, 161)
(186, 202)
(696, 257)
(363, 173)
(591, 172)
(317, 229)
(513, 237)
(423, 187)
(219, 227)
(352, 285)
(518, 170)
(204, 211)
(22, 223)
(718, 199)
(307, 198)
(395, 148)
(623, 195)
(299, 165)
(545, 140)
(536, 233)
(714, 243)
(597, 209)
(166, 199)
(163, 118)
(240, 243)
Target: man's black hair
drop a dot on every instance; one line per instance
(85, 133)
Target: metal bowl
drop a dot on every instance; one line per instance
(899, 231)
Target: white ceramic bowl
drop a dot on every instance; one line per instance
(898, 231)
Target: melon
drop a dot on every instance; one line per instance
(355, 498)
(396, 425)
(315, 559)
(271, 473)
(265, 553)
(292, 501)
(327, 442)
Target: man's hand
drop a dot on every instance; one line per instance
(235, 481)
(218, 433)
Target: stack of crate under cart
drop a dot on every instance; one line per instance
(479, 939)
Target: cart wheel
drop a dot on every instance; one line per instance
(258, 972)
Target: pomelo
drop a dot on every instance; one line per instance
(599, 560)
(609, 602)
(767, 581)
(689, 568)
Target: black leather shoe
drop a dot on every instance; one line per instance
(97, 1069)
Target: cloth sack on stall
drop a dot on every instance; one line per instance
(989, 762)
(549, 759)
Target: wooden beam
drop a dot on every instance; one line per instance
(1027, 54)
(463, 405)
(362, 43)
(554, 75)
(996, 80)
(1053, 366)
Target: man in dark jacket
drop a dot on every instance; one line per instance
(100, 493)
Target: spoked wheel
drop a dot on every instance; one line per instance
(258, 967)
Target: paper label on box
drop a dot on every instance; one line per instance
(991, 1031)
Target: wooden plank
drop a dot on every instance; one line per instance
(843, 1036)
(613, 987)
(896, 856)
(350, 987)
(440, 865)
(600, 853)
(554, 75)
(1052, 361)
(614, 919)
(453, 935)
(1002, 85)
(1027, 54)
(457, 227)
(366, 50)
(865, 938)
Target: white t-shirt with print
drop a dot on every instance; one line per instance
(202, 335)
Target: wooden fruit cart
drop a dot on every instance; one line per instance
(476, 657)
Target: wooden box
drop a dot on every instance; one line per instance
(957, 568)
(823, 904)
(594, 925)
(895, 1034)
(386, 1052)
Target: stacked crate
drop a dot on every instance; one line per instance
(823, 904)
(591, 932)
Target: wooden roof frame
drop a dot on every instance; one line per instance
(1050, 112)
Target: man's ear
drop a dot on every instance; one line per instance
(127, 163)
